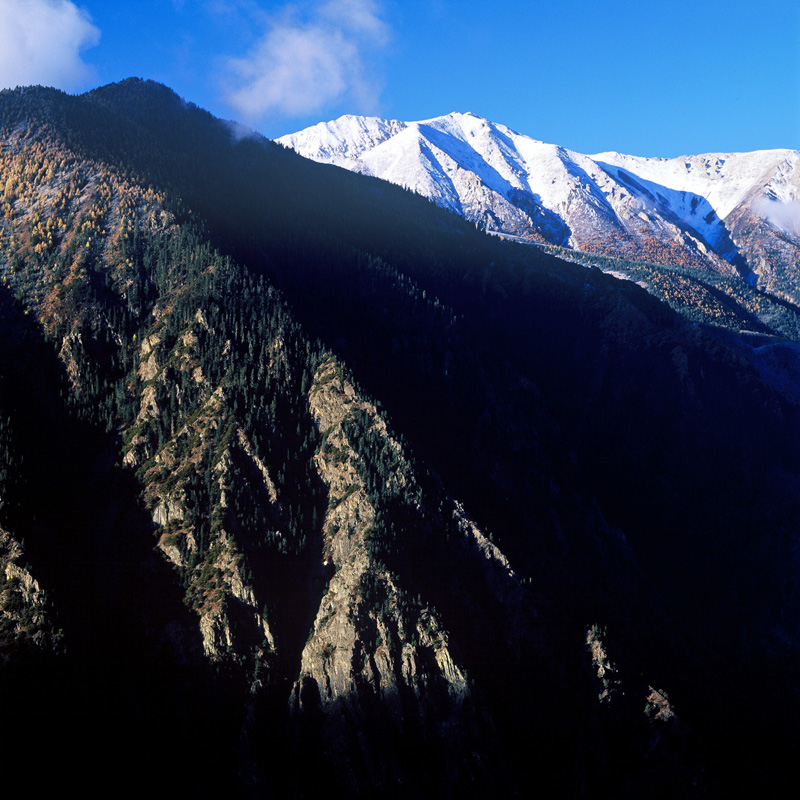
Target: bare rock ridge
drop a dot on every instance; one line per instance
(373, 651)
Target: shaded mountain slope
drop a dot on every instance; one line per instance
(435, 511)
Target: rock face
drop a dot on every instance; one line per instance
(26, 621)
(376, 658)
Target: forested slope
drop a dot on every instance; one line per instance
(311, 471)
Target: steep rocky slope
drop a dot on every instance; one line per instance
(313, 473)
(26, 622)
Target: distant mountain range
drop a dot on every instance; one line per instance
(736, 213)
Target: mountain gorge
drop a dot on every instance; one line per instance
(309, 488)
(735, 213)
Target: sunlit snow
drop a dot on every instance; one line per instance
(488, 172)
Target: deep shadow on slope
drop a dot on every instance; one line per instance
(131, 688)
(537, 388)
(533, 388)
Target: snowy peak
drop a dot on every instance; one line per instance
(724, 178)
(343, 139)
(734, 212)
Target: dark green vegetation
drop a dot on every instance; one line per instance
(241, 394)
(703, 296)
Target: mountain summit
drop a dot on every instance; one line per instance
(736, 213)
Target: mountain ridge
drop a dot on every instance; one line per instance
(721, 211)
(340, 480)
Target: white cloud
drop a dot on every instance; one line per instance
(41, 43)
(783, 215)
(301, 66)
(360, 16)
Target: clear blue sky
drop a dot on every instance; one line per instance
(645, 78)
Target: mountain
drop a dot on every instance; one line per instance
(735, 213)
(310, 488)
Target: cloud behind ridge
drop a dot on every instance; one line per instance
(783, 215)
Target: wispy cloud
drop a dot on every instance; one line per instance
(303, 64)
(785, 216)
(41, 43)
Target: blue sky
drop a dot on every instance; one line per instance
(645, 78)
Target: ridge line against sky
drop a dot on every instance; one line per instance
(599, 75)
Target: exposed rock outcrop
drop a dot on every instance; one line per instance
(375, 656)
(26, 623)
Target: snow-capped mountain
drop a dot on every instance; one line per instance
(733, 212)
